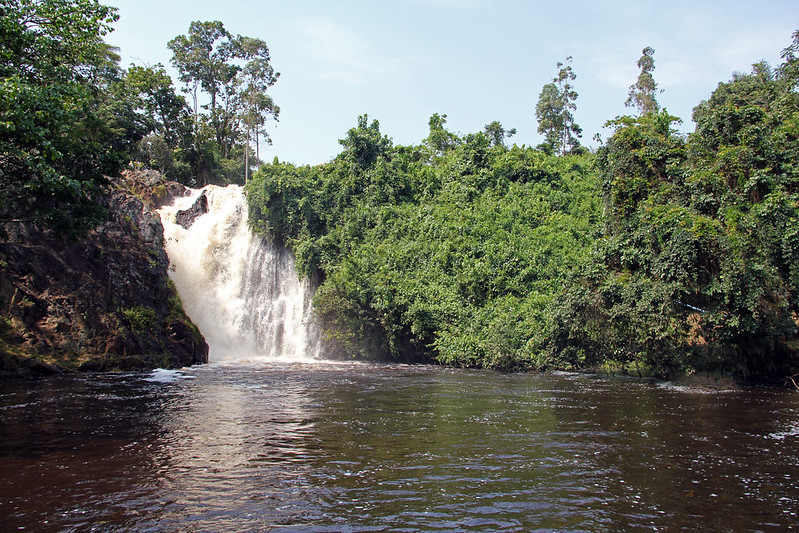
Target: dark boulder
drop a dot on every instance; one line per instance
(186, 217)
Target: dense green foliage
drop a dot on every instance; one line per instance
(662, 252)
(61, 130)
(70, 116)
(449, 251)
(698, 265)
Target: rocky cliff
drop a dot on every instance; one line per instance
(99, 303)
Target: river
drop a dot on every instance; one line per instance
(361, 447)
(270, 437)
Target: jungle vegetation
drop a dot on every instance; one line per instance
(661, 251)
(71, 115)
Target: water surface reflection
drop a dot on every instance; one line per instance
(335, 447)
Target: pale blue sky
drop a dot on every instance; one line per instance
(400, 61)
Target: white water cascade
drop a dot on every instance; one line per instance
(242, 291)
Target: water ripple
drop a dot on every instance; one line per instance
(354, 447)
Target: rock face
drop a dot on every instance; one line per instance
(186, 217)
(102, 302)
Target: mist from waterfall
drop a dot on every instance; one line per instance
(242, 291)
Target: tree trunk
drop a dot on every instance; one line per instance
(247, 156)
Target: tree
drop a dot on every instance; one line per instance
(697, 265)
(164, 108)
(554, 110)
(201, 61)
(203, 58)
(55, 147)
(642, 92)
(789, 70)
(497, 133)
(549, 112)
(256, 107)
(440, 140)
(235, 72)
(258, 76)
(364, 144)
(169, 141)
(743, 156)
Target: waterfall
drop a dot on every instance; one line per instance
(242, 291)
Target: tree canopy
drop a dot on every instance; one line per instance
(663, 252)
(451, 258)
(70, 116)
(697, 264)
(642, 92)
(57, 135)
(554, 111)
(235, 72)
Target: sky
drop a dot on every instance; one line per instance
(400, 61)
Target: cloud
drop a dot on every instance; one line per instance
(613, 67)
(691, 61)
(337, 53)
(739, 52)
(714, 62)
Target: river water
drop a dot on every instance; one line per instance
(360, 447)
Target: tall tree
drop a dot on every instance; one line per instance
(201, 58)
(258, 76)
(235, 73)
(549, 112)
(554, 110)
(204, 60)
(55, 148)
(642, 92)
